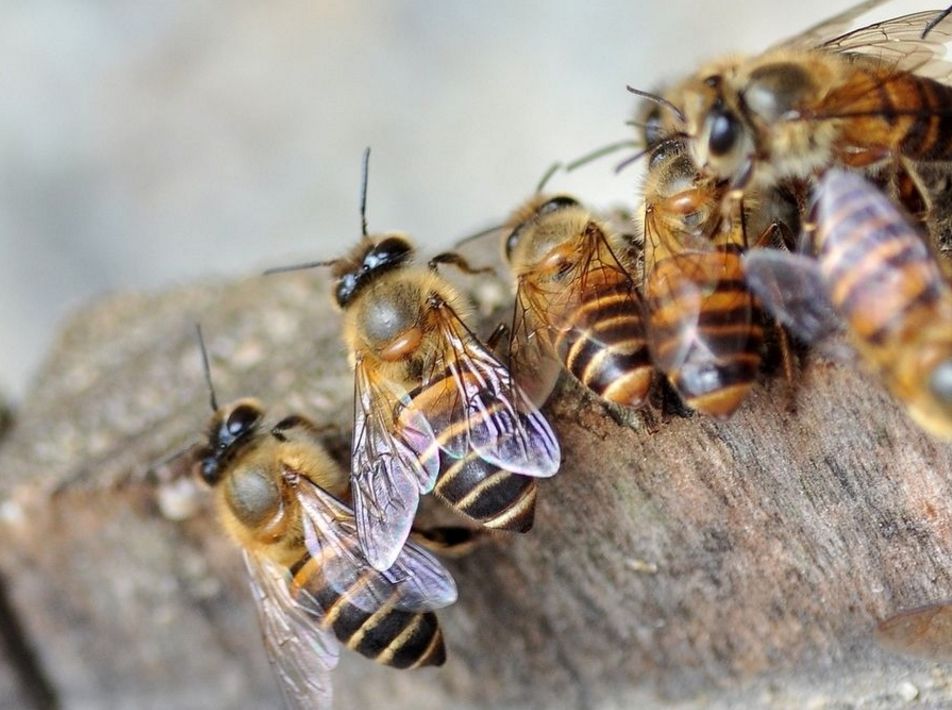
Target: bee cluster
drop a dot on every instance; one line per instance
(786, 194)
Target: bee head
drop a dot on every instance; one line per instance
(535, 211)
(230, 429)
(373, 259)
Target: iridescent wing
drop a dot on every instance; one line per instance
(533, 362)
(925, 632)
(393, 462)
(301, 652)
(831, 28)
(416, 581)
(897, 41)
(792, 290)
(472, 403)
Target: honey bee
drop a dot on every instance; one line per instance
(434, 408)
(281, 497)
(704, 326)
(925, 632)
(576, 301)
(874, 98)
(874, 274)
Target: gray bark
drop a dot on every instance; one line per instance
(695, 563)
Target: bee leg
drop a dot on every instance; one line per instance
(449, 540)
(449, 257)
(790, 368)
(495, 338)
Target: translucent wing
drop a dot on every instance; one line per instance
(899, 43)
(533, 362)
(791, 289)
(393, 461)
(416, 581)
(831, 28)
(301, 652)
(925, 632)
(472, 403)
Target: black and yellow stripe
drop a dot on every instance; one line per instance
(899, 111)
(705, 331)
(401, 639)
(606, 348)
(881, 276)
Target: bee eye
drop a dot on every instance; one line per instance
(940, 382)
(653, 128)
(391, 250)
(241, 419)
(512, 241)
(556, 204)
(208, 470)
(724, 132)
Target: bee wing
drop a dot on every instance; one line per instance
(533, 362)
(301, 652)
(473, 403)
(830, 28)
(416, 581)
(392, 464)
(792, 290)
(925, 632)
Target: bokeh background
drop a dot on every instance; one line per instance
(148, 144)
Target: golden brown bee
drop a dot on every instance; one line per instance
(925, 632)
(280, 497)
(704, 326)
(873, 98)
(434, 408)
(874, 273)
(576, 301)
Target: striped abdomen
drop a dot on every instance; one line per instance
(496, 498)
(896, 112)
(401, 639)
(475, 487)
(604, 345)
(704, 328)
(880, 275)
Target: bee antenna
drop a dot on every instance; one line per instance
(298, 267)
(481, 233)
(363, 192)
(600, 153)
(660, 100)
(547, 175)
(207, 368)
(673, 138)
(632, 159)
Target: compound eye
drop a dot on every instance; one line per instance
(653, 127)
(512, 241)
(242, 419)
(390, 250)
(725, 130)
(557, 203)
(940, 382)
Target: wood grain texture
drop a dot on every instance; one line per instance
(702, 563)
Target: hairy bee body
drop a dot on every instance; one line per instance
(575, 292)
(885, 283)
(861, 99)
(704, 326)
(875, 276)
(256, 494)
(434, 408)
(705, 331)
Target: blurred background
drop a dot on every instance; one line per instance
(148, 144)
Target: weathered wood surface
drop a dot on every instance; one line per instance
(703, 563)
